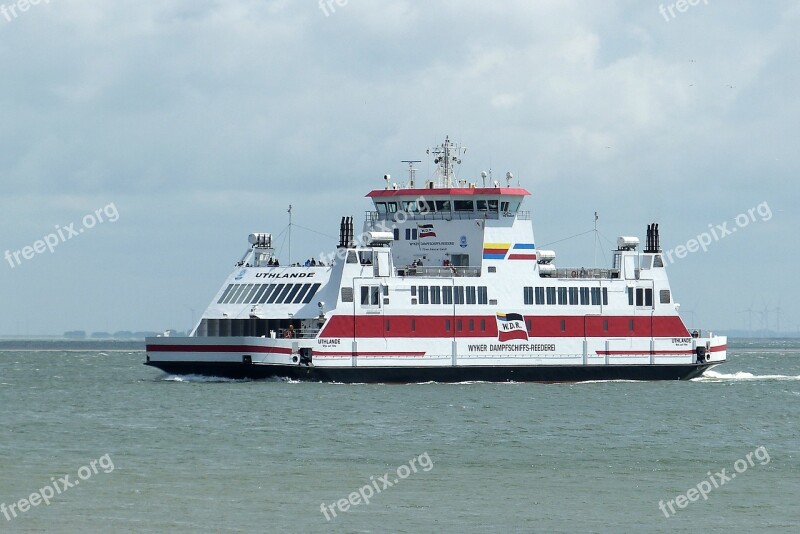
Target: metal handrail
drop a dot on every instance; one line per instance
(299, 333)
(585, 273)
(438, 272)
(372, 216)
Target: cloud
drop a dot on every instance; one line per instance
(207, 118)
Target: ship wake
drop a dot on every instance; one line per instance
(715, 376)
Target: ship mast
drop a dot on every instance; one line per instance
(412, 172)
(446, 157)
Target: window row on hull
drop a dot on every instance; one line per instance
(269, 293)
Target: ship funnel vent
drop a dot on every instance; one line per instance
(653, 239)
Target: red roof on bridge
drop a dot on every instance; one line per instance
(451, 191)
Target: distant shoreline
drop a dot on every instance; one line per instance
(61, 344)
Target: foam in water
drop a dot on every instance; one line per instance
(197, 379)
(715, 376)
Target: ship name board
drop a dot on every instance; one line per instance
(513, 347)
(285, 275)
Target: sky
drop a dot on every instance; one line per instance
(168, 131)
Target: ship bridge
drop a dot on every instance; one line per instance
(452, 226)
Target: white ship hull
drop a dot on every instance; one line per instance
(445, 283)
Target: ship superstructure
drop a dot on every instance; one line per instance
(444, 283)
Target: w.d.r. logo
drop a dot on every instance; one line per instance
(511, 326)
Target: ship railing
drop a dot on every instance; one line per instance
(438, 272)
(374, 216)
(584, 272)
(299, 333)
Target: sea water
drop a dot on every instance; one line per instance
(148, 452)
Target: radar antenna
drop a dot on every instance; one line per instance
(446, 156)
(412, 172)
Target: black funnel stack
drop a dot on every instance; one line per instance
(653, 243)
(346, 232)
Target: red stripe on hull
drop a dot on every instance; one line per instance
(217, 348)
(323, 354)
(522, 257)
(434, 326)
(624, 352)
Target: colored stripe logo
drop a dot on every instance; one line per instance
(511, 326)
(495, 251)
(523, 251)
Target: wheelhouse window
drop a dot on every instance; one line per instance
(442, 205)
(425, 206)
(409, 206)
(463, 205)
(381, 207)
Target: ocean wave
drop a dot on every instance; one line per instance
(607, 381)
(199, 379)
(715, 376)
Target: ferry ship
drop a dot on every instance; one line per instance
(444, 283)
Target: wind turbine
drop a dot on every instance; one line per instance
(777, 311)
(690, 313)
(765, 318)
(749, 311)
